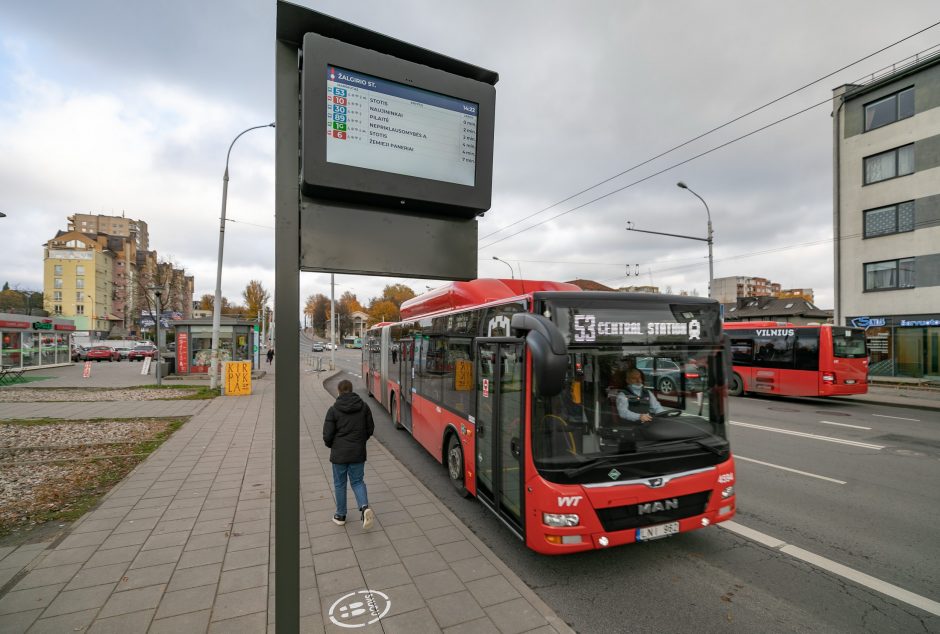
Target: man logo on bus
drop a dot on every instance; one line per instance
(695, 329)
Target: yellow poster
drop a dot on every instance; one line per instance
(463, 375)
(238, 378)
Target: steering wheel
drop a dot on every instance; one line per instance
(670, 413)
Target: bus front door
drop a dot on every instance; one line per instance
(500, 399)
(407, 382)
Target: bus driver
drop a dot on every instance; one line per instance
(636, 403)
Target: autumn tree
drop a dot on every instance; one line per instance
(256, 298)
(317, 309)
(346, 305)
(387, 307)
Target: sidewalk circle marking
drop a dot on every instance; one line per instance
(360, 608)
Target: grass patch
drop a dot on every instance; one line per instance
(26, 378)
(62, 490)
(197, 392)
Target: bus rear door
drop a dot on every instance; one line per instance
(500, 402)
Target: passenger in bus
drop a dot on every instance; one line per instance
(636, 403)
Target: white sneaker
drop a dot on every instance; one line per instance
(368, 516)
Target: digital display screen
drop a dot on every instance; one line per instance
(383, 125)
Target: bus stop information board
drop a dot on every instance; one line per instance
(384, 125)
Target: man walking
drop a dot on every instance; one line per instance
(270, 355)
(347, 427)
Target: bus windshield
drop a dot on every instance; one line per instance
(626, 409)
(848, 343)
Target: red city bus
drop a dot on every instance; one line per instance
(772, 357)
(519, 388)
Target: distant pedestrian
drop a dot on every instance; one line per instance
(270, 355)
(347, 427)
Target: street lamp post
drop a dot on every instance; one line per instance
(512, 273)
(711, 270)
(217, 305)
(157, 293)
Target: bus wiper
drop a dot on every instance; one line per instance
(696, 441)
(597, 463)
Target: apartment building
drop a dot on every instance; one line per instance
(728, 289)
(78, 274)
(113, 226)
(886, 215)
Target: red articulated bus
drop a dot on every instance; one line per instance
(780, 358)
(520, 389)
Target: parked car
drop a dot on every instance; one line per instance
(122, 350)
(139, 353)
(664, 375)
(79, 352)
(317, 346)
(102, 353)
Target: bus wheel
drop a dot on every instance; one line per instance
(394, 409)
(737, 385)
(455, 465)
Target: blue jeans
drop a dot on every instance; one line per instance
(356, 473)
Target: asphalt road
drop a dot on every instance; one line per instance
(858, 491)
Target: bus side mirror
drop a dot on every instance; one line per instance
(549, 352)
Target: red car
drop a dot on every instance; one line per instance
(102, 353)
(139, 353)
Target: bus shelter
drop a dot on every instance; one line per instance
(194, 343)
(30, 341)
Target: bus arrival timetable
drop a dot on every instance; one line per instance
(378, 124)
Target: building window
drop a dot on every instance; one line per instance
(79, 269)
(57, 309)
(58, 282)
(58, 269)
(80, 282)
(890, 164)
(79, 309)
(890, 274)
(887, 220)
(79, 296)
(889, 109)
(57, 296)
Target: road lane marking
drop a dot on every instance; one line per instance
(776, 466)
(829, 422)
(885, 588)
(801, 434)
(916, 420)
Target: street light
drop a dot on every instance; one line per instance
(512, 273)
(711, 271)
(217, 305)
(157, 292)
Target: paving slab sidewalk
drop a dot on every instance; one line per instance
(184, 544)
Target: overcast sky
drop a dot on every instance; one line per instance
(126, 106)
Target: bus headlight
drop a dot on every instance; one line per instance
(727, 492)
(560, 520)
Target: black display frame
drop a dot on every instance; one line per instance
(321, 179)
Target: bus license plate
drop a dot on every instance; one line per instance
(850, 381)
(657, 532)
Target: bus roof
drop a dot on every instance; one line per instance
(456, 295)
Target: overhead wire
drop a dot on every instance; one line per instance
(685, 143)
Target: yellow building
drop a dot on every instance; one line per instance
(78, 284)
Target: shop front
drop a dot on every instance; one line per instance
(902, 345)
(28, 341)
(194, 343)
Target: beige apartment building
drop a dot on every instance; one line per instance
(886, 215)
(78, 273)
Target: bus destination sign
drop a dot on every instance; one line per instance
(383, 125)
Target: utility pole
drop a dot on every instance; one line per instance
(156, 294)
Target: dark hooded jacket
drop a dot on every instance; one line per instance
(347, 427)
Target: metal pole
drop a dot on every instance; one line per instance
(332, 322)
(217, 305)
(512, 273)
(711, 269)
(287, 361)
(157, 332)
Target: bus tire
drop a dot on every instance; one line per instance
(454, 464)
(394, 409)
(737, 385)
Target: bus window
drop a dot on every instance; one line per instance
(806, 349)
